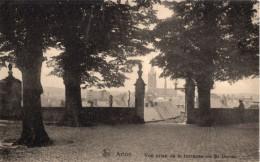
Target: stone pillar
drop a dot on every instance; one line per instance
(110, 101)
(10, 96)
(139, 95)
(3, 100)
(128, 102)
(189, 100)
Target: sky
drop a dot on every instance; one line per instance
(243, 86)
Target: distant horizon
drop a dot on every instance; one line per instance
(250, 86)
(118, 90)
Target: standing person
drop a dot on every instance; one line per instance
(241, 109)
(110, 101)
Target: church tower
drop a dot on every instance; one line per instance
(165, 88)
(152, 81)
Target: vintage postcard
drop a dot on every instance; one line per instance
(129, 80)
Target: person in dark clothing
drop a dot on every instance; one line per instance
(241, 109)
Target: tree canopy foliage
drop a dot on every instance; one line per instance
(218, 39)
(22, 25)
(106, 35)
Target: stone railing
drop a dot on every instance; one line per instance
(228, 116)
(12, 110)
(105, 115)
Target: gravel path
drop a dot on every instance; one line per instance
(145, 142)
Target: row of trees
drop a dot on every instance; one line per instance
(203, 42)
(95, 36)
(104, 36)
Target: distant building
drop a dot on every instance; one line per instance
(254, 105)
(153, 92)
(162, 109)
(98, 95)
(98, 98)
(101, 99)
(229, 101)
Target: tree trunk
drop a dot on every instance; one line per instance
(73, 105)
(33, 132)
(189, 97)
(204, 88)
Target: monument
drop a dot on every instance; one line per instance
(10, 96)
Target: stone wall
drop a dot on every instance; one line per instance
(119, 115)
(105, 115)
(229, 116)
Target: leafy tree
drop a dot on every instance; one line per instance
(208, 41)
(27, 29)
(97, 40)
(23, 38)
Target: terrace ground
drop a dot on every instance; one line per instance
(161, 141)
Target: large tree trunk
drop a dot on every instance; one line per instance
(204, 87)
(189, 97)
(33, 132)
(73, 105)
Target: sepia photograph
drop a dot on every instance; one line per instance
(129, 80)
